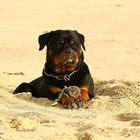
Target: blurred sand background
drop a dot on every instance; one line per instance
(112, 32)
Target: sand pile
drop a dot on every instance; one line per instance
(114, 113)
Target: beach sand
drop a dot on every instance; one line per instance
(111, 30)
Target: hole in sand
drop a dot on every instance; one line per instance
(135, 123)
(127, 116)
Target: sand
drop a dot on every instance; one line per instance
(112, 31)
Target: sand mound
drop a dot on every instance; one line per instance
(117, 95)
(114, 113)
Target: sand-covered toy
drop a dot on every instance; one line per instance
(71, 91)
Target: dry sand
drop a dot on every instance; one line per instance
(112, 32)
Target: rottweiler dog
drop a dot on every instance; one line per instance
(64, 66)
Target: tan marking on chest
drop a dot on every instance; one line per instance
(54, 89)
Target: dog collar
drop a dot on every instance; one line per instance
(65, 77)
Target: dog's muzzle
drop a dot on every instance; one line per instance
(70, 56)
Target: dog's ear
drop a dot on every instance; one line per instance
(43, 40)
(82, 39)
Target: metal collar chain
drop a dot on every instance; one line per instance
(60, 77)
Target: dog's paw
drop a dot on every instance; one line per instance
(81, 101)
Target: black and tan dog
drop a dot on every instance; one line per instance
(64, 67)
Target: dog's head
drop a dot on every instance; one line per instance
(64, 52)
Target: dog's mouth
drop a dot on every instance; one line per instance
(68, 65)
(65, 63)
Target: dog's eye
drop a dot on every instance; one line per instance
(72, 42)
(62, 42)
